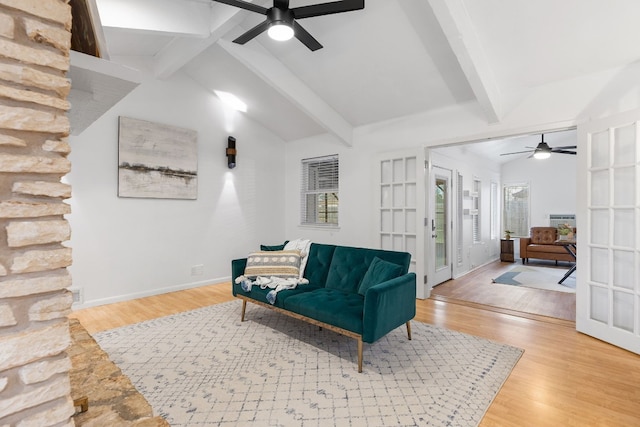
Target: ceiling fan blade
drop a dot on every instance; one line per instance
(306, 38)
(566, 147)
(327, 8)
(245, 5)
(563, 151)
(516, 152)
(255, 31)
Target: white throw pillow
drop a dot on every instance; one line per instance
(302, 245)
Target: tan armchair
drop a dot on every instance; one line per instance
(540, 245)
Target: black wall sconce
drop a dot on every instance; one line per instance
(231, 152)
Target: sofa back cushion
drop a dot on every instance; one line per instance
(379, 271)
(543, 235)
(349, 266)
(318, 262)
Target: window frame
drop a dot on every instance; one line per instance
(319, 186)
(506, 205)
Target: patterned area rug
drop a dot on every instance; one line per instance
(538, 277)
(206, 368)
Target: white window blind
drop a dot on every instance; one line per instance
(319, 191)
(475, 216)
(494, 210)
(460, 210)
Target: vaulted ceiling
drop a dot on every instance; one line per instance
(395, 58)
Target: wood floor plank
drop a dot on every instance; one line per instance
(477, 287)
(564, 378)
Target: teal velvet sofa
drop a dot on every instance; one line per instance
(358, 292)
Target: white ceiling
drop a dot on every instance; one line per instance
(394, 58)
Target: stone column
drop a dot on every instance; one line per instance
(35, 38)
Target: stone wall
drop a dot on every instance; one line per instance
(35, 37)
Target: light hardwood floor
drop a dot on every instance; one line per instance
(564, 378)
(477, 287)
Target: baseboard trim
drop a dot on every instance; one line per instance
(149, 293)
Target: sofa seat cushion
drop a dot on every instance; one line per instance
(332, 306)
(261, 294)
(555, 249)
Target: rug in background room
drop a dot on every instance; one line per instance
(538, 277)
(206, 368)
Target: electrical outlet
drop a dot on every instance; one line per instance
(197, 270)
(78, 295)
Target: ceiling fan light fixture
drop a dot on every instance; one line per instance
(541, 155)
(543, 151)
(280, 31)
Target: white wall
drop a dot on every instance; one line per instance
(552, 185)
(471, 167)
(357, 181)
(124, 247)
(555, 106)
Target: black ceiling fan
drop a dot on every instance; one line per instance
(543, 151)
(282, 18)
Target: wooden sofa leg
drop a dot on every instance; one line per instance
(360, 355)
(409, 330)
(244, 309)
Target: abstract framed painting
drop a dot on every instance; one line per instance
(156, 161)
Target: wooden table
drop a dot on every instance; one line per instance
(570, 246)
(506, 250)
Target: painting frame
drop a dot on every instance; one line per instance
(156, 161)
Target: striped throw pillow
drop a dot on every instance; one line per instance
(283, 264)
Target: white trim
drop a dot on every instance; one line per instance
(152, 292)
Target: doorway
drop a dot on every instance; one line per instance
(476, 242)
(441, 224)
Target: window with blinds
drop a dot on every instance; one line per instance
(319, 191)
(495, 220)
(475, 216)
(460, 241)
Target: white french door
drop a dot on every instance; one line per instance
(399, 205)
(608, 293)
(439, 223)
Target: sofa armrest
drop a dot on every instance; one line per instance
(387, 306)
(524, 242)
(237, 269)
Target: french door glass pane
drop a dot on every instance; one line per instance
(624, 180)
(624, 234)
(599, 304)
(398, 170)
(599, 150)
(410, 222)
(623, 272)
(623, 310)
(599, 265)
(385, 221)
(600, 188)
(385, 172)
(600, 227)
(624, 151)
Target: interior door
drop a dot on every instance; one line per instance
(440, 224)
(399, 203)
(608, 230)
